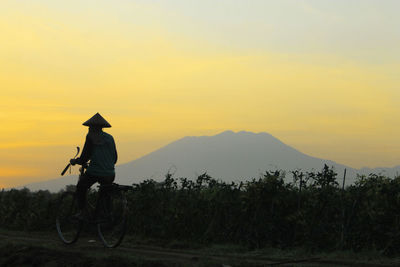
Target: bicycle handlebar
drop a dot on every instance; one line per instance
(69, 164)
(65, 170)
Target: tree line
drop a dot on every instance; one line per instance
(312, 211)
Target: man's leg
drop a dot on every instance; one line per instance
(104, 181)
(84, 183)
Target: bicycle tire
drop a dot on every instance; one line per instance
(112, 218)
(68, 227)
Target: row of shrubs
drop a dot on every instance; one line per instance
(313, 211)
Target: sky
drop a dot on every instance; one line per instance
(322, 76)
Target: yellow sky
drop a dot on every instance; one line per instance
(154, 85)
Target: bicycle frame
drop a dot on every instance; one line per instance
(93, 210)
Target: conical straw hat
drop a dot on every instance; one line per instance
(97, 120)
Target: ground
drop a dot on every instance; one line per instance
(45, 249)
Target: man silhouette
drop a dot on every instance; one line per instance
(101, 153)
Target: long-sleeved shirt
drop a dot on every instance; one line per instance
(102, 155)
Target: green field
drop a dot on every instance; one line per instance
(204, 222)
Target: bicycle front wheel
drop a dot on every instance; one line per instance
(68, 226)
(112, 218)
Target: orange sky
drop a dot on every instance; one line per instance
(159, 71)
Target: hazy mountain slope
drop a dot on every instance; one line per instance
(389, 172)
(53, 185)
(227, 156)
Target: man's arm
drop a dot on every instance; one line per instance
(86, 153)
(116, 154)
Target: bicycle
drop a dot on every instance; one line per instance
(108, 213)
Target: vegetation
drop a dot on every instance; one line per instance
(313, 211)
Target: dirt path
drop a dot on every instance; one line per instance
(22, 249)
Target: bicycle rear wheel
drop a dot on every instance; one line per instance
(112, 218)
(68, 226)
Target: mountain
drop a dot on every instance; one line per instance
(228, 156)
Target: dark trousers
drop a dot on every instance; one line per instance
(85, 182)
